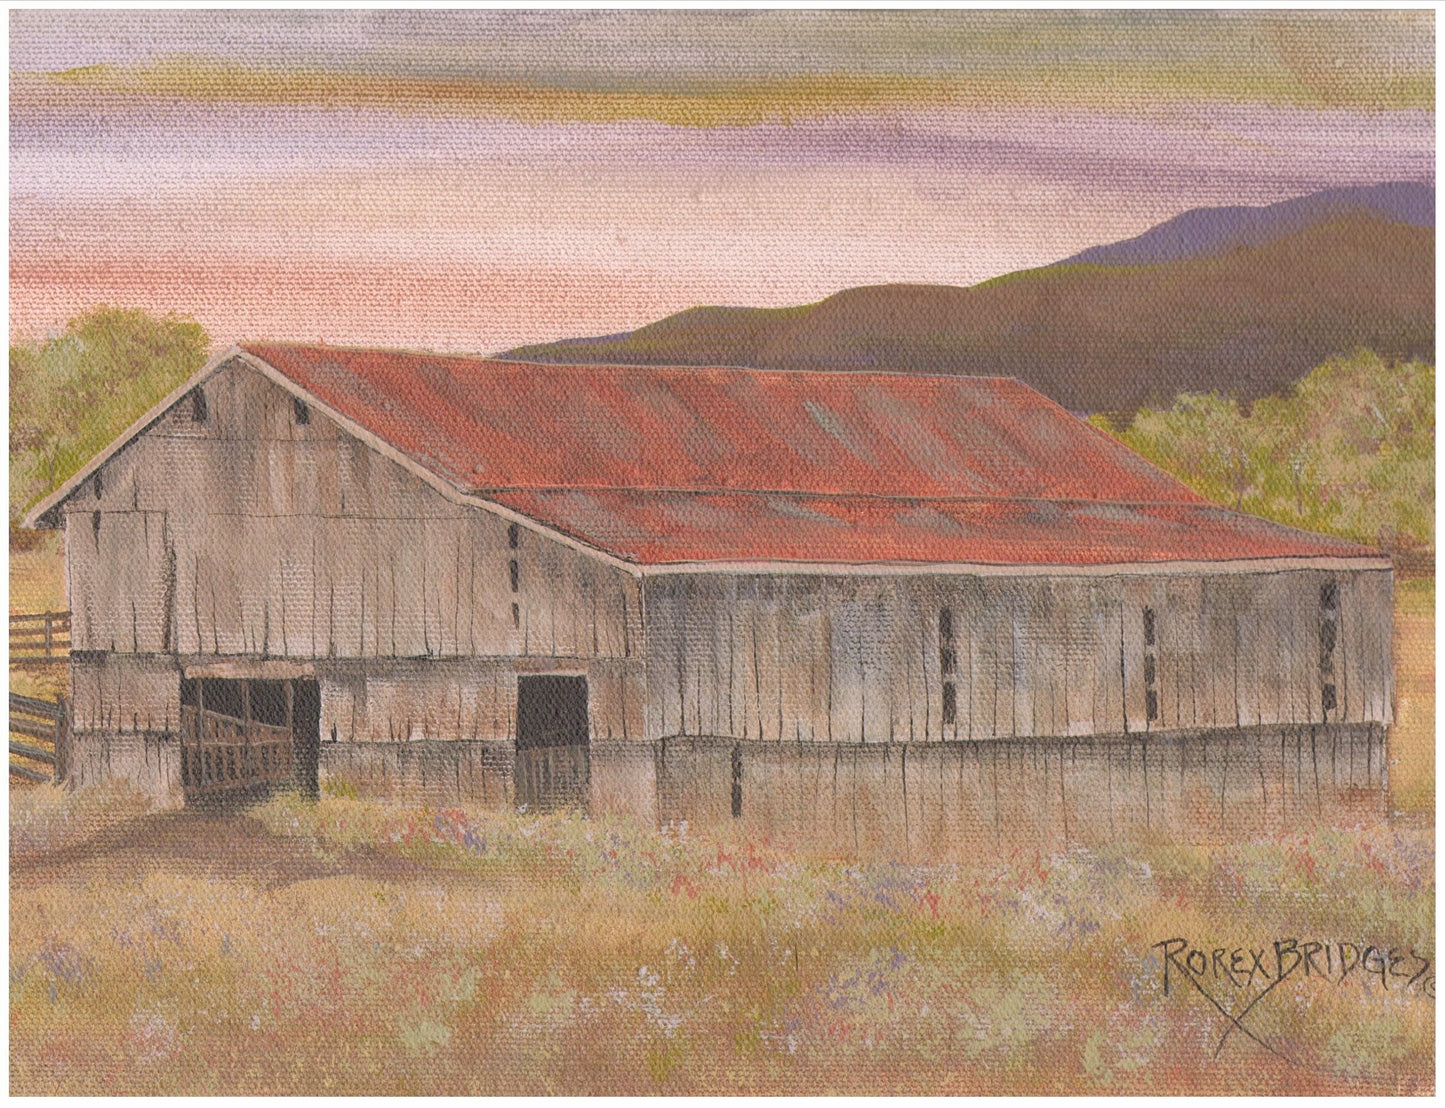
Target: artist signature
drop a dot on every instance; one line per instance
(1221, 973)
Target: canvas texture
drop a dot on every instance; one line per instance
(680, 552)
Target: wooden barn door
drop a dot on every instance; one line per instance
(240, 735)
(552, 767)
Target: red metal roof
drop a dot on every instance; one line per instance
(664, 464)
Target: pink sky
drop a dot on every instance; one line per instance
(428, 229)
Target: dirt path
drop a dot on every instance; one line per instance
(223, 845)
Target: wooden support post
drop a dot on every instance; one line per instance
(290, 725)
(246, 728)
(62, 739)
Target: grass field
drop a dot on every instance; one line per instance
(37, 584)
(37, 575)
(349, 947)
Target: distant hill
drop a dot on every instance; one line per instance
(1094, 337)
(1205, 232)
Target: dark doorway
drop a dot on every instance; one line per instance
(552, 767)
(243, 735)
(306, 727)
(737, 781)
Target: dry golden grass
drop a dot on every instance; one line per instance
(348, 947)
(1412, 738)
(37, 584)
(47, 819)
(37, 575)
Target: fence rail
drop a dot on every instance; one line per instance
(39, 637)
(47, 722)
(220, 753)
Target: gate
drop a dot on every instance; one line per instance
(552, 768)
(45, 727)
(236, 735)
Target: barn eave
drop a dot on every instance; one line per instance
(1019, 569)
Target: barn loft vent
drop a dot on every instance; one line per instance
(97, 484)
(514, 534)
(301, 411)
(1329, 637)
(95, 526)
(515, 572)
(199, 411)
(947, 655)
(1151, 694)
(947, 664)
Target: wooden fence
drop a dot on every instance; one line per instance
(44, 729)
(39, 638)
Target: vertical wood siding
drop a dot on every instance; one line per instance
(966, 800)
(857, 659)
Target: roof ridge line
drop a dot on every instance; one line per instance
(494, 360)
(485, 491)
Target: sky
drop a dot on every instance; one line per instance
(472, 180)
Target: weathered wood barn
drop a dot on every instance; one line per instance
(904, 609)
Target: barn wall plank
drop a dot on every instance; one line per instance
(1350, 650)
(1133, 597)
(1076, 675)
(1250, 612)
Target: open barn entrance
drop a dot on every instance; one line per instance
(244, 734)
(552, 769)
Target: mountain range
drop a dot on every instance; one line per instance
(1242, 300)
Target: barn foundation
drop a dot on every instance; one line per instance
(908, 801)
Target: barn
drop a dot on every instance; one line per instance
(884, 608)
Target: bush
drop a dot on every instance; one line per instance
(73, 393)
(1349, 451)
